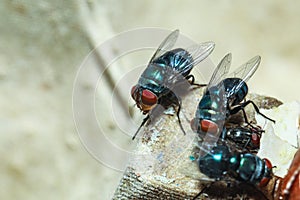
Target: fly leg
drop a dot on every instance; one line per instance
(192, 81)
(202, 191)
(171, 99)
(242, 107)
(257, 129)
(178, 111)
(246, 119)
(247, 143)
(142, 124)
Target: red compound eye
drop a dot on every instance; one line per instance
(268, 163)
(255, 139)
(133, 89)
(264, 181)
(149, 98)
(209, 126)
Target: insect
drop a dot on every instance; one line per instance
(221, 163)
(245, 138)
(245, 167)
(225, 96)
(166, 70)
(289, 186)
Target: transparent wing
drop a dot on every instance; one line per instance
(198, 52)
(209, 141)
(166, 45)
(221, 71)
(246, 71)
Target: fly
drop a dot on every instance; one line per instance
(167, 69)
(244, 138)
(221, 163)
(225, 96)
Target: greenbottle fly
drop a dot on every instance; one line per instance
(221, 164)
(167, 69)
(225, 96)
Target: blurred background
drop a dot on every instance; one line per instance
(43, 43)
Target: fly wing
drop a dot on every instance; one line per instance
(198, 53)
(246, 71)
(217, 95)
(221, 71)
(166, 45)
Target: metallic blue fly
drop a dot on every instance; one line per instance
(221, 163)
(225, 96)
(167, 70)
(244, 167)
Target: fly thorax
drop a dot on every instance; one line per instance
(234, 161)
(153, 74)
(214, 164)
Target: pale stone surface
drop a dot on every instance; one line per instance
(284, 133)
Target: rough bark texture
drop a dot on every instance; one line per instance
(163, 169)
